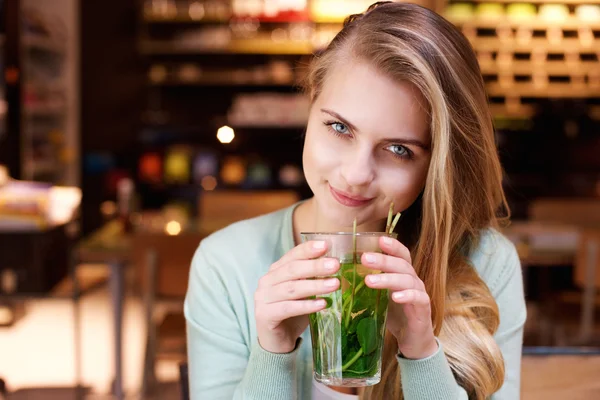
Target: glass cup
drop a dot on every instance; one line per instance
(347, 336)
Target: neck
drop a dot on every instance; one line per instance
(308, 219)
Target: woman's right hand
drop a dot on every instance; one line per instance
(281, 307)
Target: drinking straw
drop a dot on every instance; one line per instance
(396, 218)
(353, 273)
(389, 219)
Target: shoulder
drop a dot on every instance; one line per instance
(496, 260)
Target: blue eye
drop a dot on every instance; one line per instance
(400, 151)
(340, 128)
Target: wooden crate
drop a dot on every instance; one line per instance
(220, 208)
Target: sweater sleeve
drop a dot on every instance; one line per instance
(429, 378)
(222, 365)
(432, 378)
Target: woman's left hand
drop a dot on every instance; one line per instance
(409, 312)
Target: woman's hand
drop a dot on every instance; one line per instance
(280, 306)
(409, 313)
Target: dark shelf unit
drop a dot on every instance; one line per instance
(189, 110)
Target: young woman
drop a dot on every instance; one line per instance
(399, 114)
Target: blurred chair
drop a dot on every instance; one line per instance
(585, 215)
(586, 275)
(184, 381)
(162, 266)
(560, 373)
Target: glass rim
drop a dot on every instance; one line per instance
(370, 234)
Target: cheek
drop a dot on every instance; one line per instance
(319, 154)
(403, 185)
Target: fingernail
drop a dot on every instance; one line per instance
(329, 265)
(320, 245)
(374, 278)
(387, 240)
(398, 295)
(331, 283)
(370, 258)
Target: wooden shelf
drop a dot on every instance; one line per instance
(535, 44)
(569, 23)
(235, 47)
(155, 47)
(527, 111)
(186, 19)
(561, 68)
(218, 82)
(268, 47)
(551, 90)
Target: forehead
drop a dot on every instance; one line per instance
(373, 102)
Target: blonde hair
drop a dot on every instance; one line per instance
(463, 194)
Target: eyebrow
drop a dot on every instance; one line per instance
(353, 127)
(342, 119)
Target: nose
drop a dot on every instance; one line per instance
(358, 168)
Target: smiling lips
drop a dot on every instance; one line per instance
(349, 200)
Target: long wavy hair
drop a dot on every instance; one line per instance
(463, 194)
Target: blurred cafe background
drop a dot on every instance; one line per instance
(131, 129)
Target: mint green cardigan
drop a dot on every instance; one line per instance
(226, 361)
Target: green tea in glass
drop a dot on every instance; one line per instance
(347, 336)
